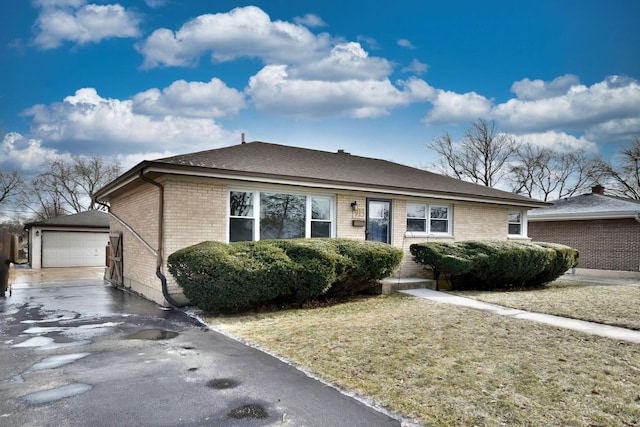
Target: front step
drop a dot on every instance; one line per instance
(395, 284)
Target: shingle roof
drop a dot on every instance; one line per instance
(88, 219)
(587, 206)
(330, 169)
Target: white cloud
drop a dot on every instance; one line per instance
(452, 108)
(538, 89)
(75, 21)
(59, 3)
(127, 161)
(22, 153)
(615, 130)
(345, 61)
(370, 42)
(274, 91)
(242, 32)
(416, 67)
(310, 20)
(154, 4)
(86, 117)
(558, 141)
(405, 43)
(579, 108)
(212, 99)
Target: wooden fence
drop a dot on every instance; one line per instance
(8, 254)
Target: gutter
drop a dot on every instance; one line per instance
(584, 216)
(159, 260)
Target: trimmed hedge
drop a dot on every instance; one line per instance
(496, 264)
(222, 277)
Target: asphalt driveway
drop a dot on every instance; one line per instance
(76, 352)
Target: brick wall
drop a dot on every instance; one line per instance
(612, 244)
(345, 216)
(480, 222)
(139, 210)
(195, 211)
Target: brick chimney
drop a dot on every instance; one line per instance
(597, 189)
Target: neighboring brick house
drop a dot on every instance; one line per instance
(605, 229)
(257, 190)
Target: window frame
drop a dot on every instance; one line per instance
(428, 218)
(522, 223)
(257, 209)
(251, 217)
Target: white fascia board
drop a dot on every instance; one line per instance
(280, 181)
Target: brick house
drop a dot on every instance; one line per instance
(605, 229)
(258, 190)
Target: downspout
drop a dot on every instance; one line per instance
(159, 262)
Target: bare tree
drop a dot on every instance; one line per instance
(482, 157)
(544, 173)
(11, 185)
(91, 173)
(624, 175)
(68, 186)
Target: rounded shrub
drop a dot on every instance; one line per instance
(222, 277)
(366, 262)
(495, 264)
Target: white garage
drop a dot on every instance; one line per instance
(78, 240)
(73, 249)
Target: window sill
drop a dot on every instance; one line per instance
(423, 234)
(517, 237)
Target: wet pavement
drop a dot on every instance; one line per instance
(76, 352)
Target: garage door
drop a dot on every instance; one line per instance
(73, 249)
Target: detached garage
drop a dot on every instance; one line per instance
(78, 240)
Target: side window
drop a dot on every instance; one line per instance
(320, 217)
(439, 219)
(515, 223)
(416, 217)
(241, 216)
(428, 218)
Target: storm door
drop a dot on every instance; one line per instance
(379, 220)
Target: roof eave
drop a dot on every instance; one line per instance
(102, 195)
(584, 216)
(164, 168)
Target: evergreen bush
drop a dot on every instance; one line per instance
(222, 277)
(495, 264)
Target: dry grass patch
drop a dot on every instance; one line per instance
(449, 366)
(615, 305)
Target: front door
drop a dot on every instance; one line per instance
(379, 220)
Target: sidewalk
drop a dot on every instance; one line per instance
(561, 322)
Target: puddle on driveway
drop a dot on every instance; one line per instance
(153, 335)
(248, 411)
(222, 383)
(54, 394)
(56, 361)
(75, 332)
(48, 343)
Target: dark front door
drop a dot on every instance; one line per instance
(379, 220)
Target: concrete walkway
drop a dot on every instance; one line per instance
(561, 322)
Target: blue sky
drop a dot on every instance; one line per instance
(143, 79)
